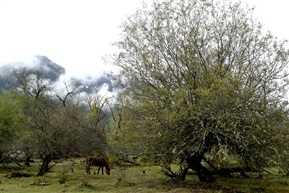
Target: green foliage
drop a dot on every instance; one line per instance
(57, 127)
(63, 177)
(193, 69)
(12, 119)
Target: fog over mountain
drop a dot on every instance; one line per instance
(91, 84)
(53, 72)
(40, 65)
(47, 68)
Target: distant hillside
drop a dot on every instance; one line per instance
(51, 71)
(41, 65)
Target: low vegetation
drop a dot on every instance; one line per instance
(70, 176)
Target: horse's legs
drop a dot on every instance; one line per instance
(101, 170)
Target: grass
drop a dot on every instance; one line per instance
(70, 176)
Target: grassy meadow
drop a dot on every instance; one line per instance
(70, 176)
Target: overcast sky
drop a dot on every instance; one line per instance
(73, 33)
(77, 33)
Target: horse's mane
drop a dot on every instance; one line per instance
(106, 163)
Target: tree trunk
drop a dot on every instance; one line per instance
(194, 163)
(45, 165)
(27, 160)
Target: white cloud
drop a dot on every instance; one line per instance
(72, 33)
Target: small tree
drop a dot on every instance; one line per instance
(95, 126)
(53, 129)
(203, 75)
(126, 135)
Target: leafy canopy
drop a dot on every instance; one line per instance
(195, 68)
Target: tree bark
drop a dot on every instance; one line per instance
(27, 160)
(45, 165)
(194, 163)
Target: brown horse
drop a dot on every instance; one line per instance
(97, 161)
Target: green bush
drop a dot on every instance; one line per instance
(63, 177)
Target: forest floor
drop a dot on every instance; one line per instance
(70, 177)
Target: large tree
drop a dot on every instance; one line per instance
(203, 76)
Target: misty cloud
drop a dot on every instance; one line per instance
(41, 65)
(47, 68)
(91, 84)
